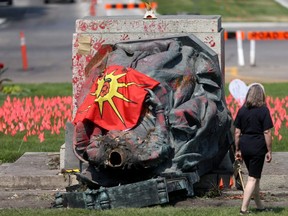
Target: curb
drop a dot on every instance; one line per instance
(35, 170)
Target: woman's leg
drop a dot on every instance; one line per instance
(256, 195)
(248, 192)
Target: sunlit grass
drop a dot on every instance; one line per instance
(39, 89)
(272, 89)
(230, 10)
(159, 211)
(281, 146)
(13, 147)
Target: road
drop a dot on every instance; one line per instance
(271, 56)
(48, 33)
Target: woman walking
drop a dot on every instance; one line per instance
(253, 142)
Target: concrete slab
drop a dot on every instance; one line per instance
(70, 161)
(35, 170)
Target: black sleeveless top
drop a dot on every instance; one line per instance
(252, 123)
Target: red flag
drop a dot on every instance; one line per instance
(41, 137)
(116, 98)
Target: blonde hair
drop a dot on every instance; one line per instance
(255, 96)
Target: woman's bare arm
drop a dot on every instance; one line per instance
(268, 140)
(237, 138)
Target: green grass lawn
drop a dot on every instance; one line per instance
(272, 89)
(12, 147)
(159, 211)
(43, 89)
(230, 10)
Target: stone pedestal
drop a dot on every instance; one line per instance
(92, 32)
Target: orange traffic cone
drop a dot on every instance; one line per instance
(221, 184)
(23, 51)
(92, 7)
(231, 182)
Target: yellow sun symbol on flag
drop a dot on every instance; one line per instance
(108, 89)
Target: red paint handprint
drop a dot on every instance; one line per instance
(83, 26)
(124, 37)
(98, 43)
(210, 40)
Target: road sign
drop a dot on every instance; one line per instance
(279, 35)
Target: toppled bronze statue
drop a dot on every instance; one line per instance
(150, 111)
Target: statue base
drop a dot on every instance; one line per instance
(135, 195)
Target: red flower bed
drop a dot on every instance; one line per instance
(34, 116)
